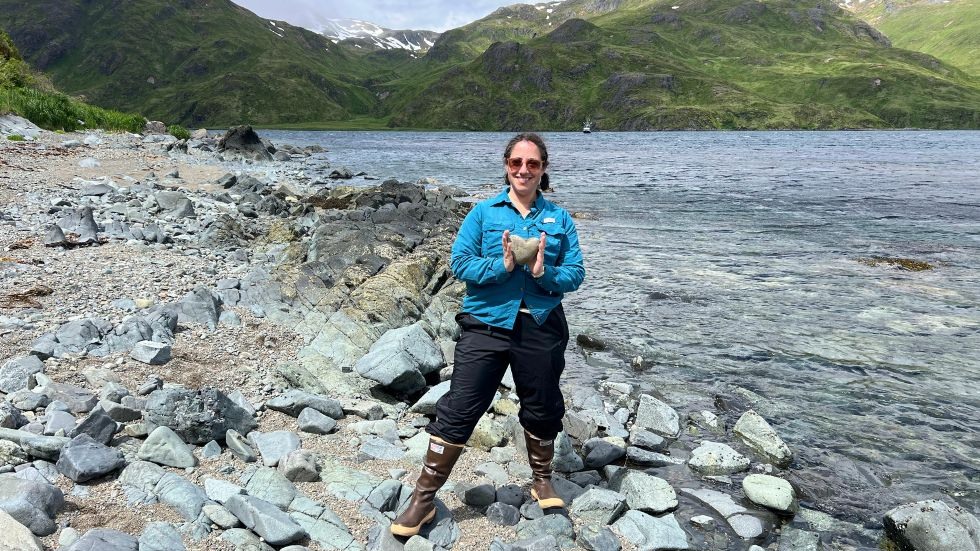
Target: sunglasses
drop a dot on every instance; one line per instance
(515, 163)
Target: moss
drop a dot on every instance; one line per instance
(280, 232)
(909, 264)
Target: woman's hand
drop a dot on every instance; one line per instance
(509, 261)
(537, 270)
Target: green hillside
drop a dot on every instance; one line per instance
(950, 30)
(705, 64)
(190, 61)
(626, 64)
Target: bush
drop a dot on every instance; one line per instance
(15, 138)
(179, 132)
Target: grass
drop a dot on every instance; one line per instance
(15, 138)
(948, 31)
(354, 123)
(54, 111)
(179, 132)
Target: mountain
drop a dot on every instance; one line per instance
(648, 64)
(625, 64)
(947, 29)
(362, 34)
(191, 61)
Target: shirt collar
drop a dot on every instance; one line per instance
(502, 199)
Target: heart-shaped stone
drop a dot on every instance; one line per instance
(525, 250)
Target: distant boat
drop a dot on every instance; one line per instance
(587, 127)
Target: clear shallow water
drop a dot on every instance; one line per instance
(731, 260)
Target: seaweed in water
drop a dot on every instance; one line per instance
(909, 264)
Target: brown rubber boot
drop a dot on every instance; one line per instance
(539, 455)
(439, 461)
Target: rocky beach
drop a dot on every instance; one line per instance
(218, 343)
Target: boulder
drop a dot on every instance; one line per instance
(657, 417)
(598, 507)
(151, 353)
(401, 358)
(756, 433)
(104, 539)
(714, 459)
(644, 492)
(265, 519)
(31, 503)
(164, 447)
(243, 140)
(650, 533)
(294, 401)
(273, 446)
(197, 416)
(16, 536)
(932, 525)
(770, 491)
(161, 536)
(17, 374)
(84, 458)
(314, 422)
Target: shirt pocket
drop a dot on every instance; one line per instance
(555, 244)
(493, 236)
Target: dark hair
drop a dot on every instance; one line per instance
(543, 149)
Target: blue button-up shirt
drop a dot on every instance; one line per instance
(494, 295)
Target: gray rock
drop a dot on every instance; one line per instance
(657, 417)
(566, 460)
(175, 203)
(164, 447)
(16, 536)
(476, 494)
(645, 439)
(54, 236)
(598, 507)
(401, 358)
(59, 421)
(385, 428)
(183, 495)
(426, 405)
(31, 503)
(579, 426)
(78, 399)
(220, 516)
(80, 222)
(294, 401)
(386, 497)
(567, 490)
(380, 449)
(84, 458)
(793, 539)
(644, 492)
(119, 412)
(746, 525)
(328, 530)
(200, 306)
(265, 519)
(503, 514)
(23, 400)
(595, 538)
(299, 466)
(650, 533)
(496, 473)
(211, 450)
(756, 433)
(197, 416)
(600, 452)
(239, 446)
(98, 425)
(221, 490)
(714, 459)
(366, 409)
(11, 455)
(141, 475)
(273, 446)
(152, 353)
(932, 525)
(645, 458)
(344, 482)
(10, 414)
(488, 433)
(17, 374)
(244, 540)
(314, 422)
(272, 486)
(557, 526)
(103, 539)
(161, 536)
(769, 491)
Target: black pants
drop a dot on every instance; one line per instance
(536, 355)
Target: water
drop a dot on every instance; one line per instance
(730, 260)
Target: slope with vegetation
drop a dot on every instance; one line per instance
(31, 96)
(948, 30)
(626, 64)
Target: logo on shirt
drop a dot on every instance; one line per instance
(548, 220)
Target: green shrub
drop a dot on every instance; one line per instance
(15, 138)
(179, 132)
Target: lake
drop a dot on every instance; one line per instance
(737, 265)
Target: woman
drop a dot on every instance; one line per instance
(512, 315)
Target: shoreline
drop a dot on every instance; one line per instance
(300, 320)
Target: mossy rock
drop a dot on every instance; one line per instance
(280, 231)
(909, 264)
